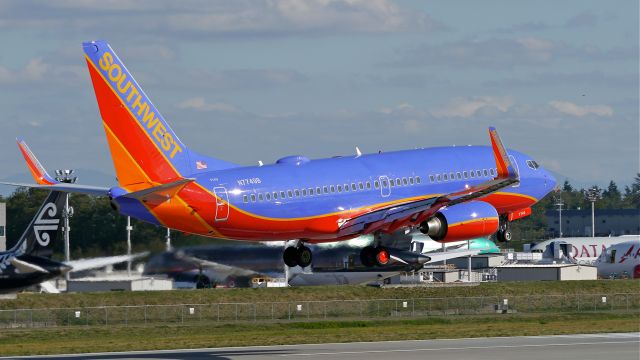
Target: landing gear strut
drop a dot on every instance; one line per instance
(374, 256)
(297, 256)
(504, 233)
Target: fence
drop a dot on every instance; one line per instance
(314, 310)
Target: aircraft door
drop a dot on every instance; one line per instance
(222, 203)
(385, 187)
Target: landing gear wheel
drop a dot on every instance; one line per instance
(304, 256)
(368, 256)
(382, 256)
(290, 256)
(507, 235)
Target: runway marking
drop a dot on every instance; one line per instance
(454, 348)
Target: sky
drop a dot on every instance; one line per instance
(250, 81)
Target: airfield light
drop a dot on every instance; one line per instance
(66, 176)
(593, 195)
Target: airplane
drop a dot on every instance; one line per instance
(621, 260)
(448, 193)
(583, 250)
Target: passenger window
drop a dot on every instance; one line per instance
(464, 173)
(361, 186)
(311, 191)
(478, 173)
(326, 189)
(304, 192)
(445, 177)
(485, 172)
(290, 193)
(452, 176)
(368, 183)
(432, 178)
(411, 180)
(260, 197)
(398, 183)
(418, 180)
(376, 184)
(439, 177)
(459, 176)
(253, 197)
(297, 192)
(392, 183)
(346, 187)
(492, 172)
(353, 187)
(275, 195)
(333, 189)
(384, 183)
(405, 181)
(339, 188)
(268, 196)
(245, 198)
(318, 190)
(282, 195)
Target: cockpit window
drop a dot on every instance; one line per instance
(532, 164)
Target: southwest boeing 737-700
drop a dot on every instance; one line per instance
(448, 193)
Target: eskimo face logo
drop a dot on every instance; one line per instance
(42, 225)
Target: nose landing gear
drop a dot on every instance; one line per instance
(504, 233)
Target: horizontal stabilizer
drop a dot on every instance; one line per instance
(96, 263)
(38, 171)
(26, 267)
(64, 187)
(158, 194)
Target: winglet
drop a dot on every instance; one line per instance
(38, 172)
(503, 164)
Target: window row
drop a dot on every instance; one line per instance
(331, 189)
(471, 174)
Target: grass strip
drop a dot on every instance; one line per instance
(128, 338)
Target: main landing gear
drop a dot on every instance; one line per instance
(504, 233)
(297, 256)
(374, 256)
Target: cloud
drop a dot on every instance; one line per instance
(507, 52)
(241, 17)
(584, 19)
(570, 108)
(37, 70)
(200, 104)
(464, 108)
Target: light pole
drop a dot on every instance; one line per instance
(168, 238)
(593, 195)
(559, 203)
(129, 228)
(66, 176)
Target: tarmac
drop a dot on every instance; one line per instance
(619, 346)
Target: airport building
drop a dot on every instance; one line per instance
(612, 222)
(3, 226)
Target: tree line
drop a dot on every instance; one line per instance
(98, 230)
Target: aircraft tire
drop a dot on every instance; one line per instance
(507, 235)
(290, 256)
(304, 256)
(368, 256)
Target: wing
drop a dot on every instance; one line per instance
(412, 213)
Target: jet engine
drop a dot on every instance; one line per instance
(464, 221)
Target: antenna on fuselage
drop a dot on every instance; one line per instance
(260, 163)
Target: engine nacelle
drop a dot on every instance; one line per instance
(464, 221)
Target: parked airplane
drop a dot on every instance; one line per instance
(448, 193)
(27, 263)
(584, 250)
(621, 260)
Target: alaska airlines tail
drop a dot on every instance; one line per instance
(145, 150)
(41, 234)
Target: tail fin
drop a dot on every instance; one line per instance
(42, 232)
(40, 175)
(145, 150)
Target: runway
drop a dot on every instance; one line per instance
(586, 346)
